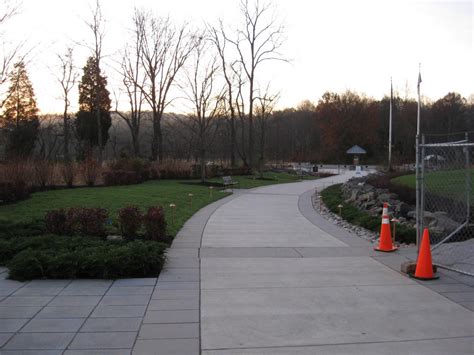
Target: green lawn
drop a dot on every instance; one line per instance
(442, 183)
(160, 192)
(248, 182)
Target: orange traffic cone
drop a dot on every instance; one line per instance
(385, 241)
(424, 264)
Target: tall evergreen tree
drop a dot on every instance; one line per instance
(93, 93)
(20, 116)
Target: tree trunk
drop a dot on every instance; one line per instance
(66, 135)
(251, 156)
(232, 140)
(154, 142)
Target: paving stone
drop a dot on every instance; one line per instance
(177, 285)
(458, 287)
(18, 312)
(182, 252)
(38, 291)
(169, 331)
(460, 296)
(11, 325)
(112, 324)
(4, 338)
(161, 294)
(166, 347)
(26, 301)
(167, 277)
(77, 290)
(7, 291)
(75, 301)
(91, 283)
(65, 312)
(40, 325)
(125, 300)
(114, 340)
(136, 282)
(159, 305)
(468, 305)
(99, 352)
(48, 283)
(31, 352)
(39, 341)
(138, 290)
(182, 262)
(118, 311)
(188, 316)
(180, 271)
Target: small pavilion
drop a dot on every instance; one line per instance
(356, 151)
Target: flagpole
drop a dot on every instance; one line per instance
(390, 129)
(417, 165)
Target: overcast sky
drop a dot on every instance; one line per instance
(333, 45)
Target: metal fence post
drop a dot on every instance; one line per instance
(417, 192)
(422, 185)
(468, 181)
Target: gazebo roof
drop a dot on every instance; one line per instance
(356, 150)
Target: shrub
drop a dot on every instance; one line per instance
(11, 192)
(128, 171)
(242, 170)
(68, 173)
(77, 220)
(90, 169)
(29, 264)
(155, 224)
(56, 222)
(121, 177)
(130, 219)
(62, 257)
(10, 230)
(172, 169)
(43, 173)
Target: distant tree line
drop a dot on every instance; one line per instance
(214, 72)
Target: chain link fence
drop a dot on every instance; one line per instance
(446, 198)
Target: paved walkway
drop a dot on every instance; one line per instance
(258, 272)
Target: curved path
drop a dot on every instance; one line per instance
(258, 272)
(276, 282)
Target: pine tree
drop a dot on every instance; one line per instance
(20, 116)
(93, 96)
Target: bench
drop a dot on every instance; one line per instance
(227, 181)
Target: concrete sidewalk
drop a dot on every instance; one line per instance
(258, 272)
(276, 282)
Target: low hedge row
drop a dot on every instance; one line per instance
(332, 197)
(59, 257)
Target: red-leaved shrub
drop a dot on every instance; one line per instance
(130, 219)
(77, 220)
(155, 224)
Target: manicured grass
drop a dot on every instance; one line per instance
(450, 184)
(251, 181)
(151, 193)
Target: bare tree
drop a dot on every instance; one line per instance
(204, 95)
(257, 41)
(218, 37)
(263, 111)
(97, 27)
(133, 79)
(164, 51)
(67, 79)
